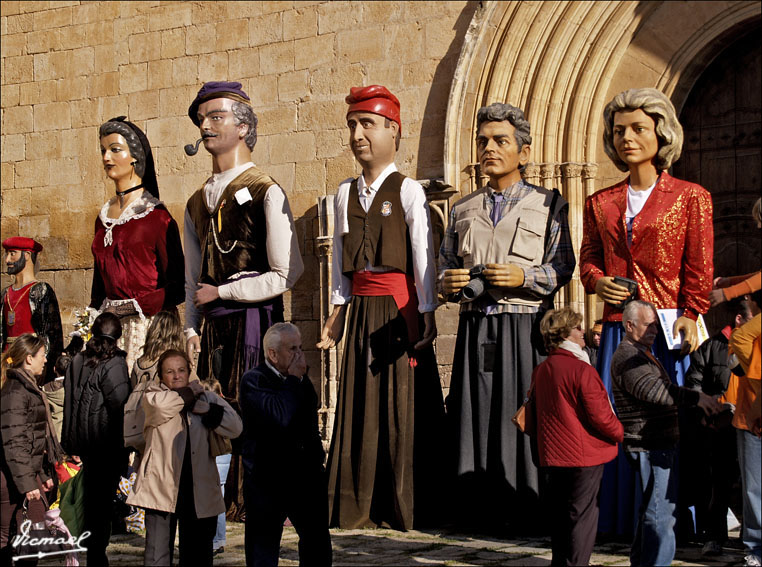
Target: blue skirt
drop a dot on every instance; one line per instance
(620, 494)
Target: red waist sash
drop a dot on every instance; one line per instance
(397, 284)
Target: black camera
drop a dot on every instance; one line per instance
(476, 287)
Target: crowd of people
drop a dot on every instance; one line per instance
(219, 418)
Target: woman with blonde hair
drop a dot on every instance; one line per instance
(164, 333)
(29, 447)
(576, 433)
(655, 230)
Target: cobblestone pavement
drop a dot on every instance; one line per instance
(441, 547)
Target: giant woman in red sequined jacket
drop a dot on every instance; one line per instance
(651, 228)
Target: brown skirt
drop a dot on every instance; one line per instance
(370, 465)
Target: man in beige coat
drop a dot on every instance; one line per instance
(177, 479)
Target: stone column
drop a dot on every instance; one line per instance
(574, 194)
(589, 172)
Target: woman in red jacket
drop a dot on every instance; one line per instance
(577, 432)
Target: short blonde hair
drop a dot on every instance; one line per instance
(557, 325)
(656, 105)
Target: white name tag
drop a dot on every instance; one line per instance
(243, 196)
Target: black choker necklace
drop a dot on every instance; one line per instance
(130, 190)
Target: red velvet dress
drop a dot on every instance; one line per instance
(144, 262)
(671, 256)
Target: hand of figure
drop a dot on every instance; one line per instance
(429, 331)
(710, 405)
(33, 494)
(454, 280)
(206, 294)
(200, 407)
(193, 348)
(298, 366)
(504, 275)
(196, 387)
(608, 291)
(333, 328)
(48, 485)
(690, 332)
(717, 282)
(716, 296)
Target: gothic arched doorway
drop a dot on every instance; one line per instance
(722, 120)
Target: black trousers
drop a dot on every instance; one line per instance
(573, 510)
(100, 483)
(196, 535)
(304, 501)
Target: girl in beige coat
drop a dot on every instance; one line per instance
(177, 480)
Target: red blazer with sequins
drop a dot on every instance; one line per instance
(671, 256)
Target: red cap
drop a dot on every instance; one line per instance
(376, 99)
(22, 243)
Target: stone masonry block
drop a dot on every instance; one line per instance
(73, 88)
(18, 69)
(359, 46)
(52, 116)
(199, 39)
(16, 202)
(185, 71)
(125, 27)
(48, 199)
(385, 73)
(405, 41)
(163, 131)
(383, 12)
(293, 85)
(44, 144)
(70, 37)
(99, 33)
(133, 77)
(309, 176)
(35, 226)
(47, 19)
(143, 105)
(6, 171)
(158, 71)
(331, 142)
(300, 23)
(268, 6)
(85, 112)
(439, 38)
(175, 101)
(43, 66)
(82, 62)
(276, 58)
(213, 67)
(284, 175)
(111, 106)
(38, 92)
(145, 47)
(276, 120)
(316, 116)
(92, 12)
(293, 147)
(13, 45)
(337, 16)
(314, 51)
(11, 8)
(243, 63)
(232, 34)
(31, 173)
(445, 348)
(338, 169)
(173, 43)
(261, 89)
(40, 41)
(265, 29)
(78, 142)
(174, 15)
(109, 57)
(447, 319)
(13, 149)
(329, 81)
(19, 23)
(9, 96)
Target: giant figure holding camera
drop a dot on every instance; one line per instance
(653, 229)
(506, 251)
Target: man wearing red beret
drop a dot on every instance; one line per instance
(29, 306)
(383, 264)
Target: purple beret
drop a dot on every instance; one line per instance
(217, 89)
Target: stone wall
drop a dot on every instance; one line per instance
(69, 66)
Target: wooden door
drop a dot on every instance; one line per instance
(722, 120)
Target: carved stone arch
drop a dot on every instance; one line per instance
(561, 62)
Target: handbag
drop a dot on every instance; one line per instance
(524, 418)
(34, 535)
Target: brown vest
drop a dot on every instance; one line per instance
(233, 237)
(380, 236)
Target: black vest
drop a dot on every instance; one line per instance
(233, 238)
(380, 236)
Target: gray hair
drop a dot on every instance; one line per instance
(499, 112)
(133, 142)
(273, 336)
(656, 105)
(245, 115)
(633, 309)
